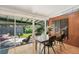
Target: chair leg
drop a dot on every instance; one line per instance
(54, 43)
(39, 47)
(48, 49)
(57, 42)
(53, 50)
(42, 49)
(63, 44)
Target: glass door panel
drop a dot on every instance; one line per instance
(6, 34)
(39, 27)
(23, 29)
(60, 25)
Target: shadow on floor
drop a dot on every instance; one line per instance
(4, 51)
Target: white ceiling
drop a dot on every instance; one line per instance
(39, 10)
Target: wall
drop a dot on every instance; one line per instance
(73, 27)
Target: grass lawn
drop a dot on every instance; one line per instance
(25, 35)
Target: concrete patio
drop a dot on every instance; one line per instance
(29, 49)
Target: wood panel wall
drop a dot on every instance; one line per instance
(73, 27)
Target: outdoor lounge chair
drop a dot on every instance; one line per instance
(27, 39)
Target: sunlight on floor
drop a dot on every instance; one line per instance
(29, 49)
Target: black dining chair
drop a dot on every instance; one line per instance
(50, 43)
(61, 39)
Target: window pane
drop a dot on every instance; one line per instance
(6, 34)
(39, 27)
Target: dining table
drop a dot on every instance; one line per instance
(41, 40)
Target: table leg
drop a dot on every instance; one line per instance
(39, 47)
(36, 46)
(48, 50)
(44, 48)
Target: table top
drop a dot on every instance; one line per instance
(41, 39)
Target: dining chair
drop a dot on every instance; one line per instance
(61, 39)
(50, 44)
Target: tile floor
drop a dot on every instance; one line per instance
(29, 49)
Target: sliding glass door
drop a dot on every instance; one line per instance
(39, 27)
(6, 33)
(14, 31)
(18, 31)
(60, 25)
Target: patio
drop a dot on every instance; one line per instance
(29, 49)
(20, 28)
